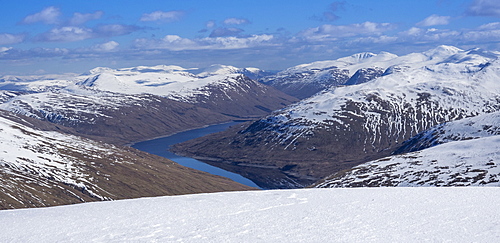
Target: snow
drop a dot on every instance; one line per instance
(457, 83)
(168, 81)
(459, 163)
(75, 104)
(38, 154)
(300, 215)
(382, 60)
(469, 128)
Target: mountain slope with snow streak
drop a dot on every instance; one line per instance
(458, 153)
(467, 214)
(220, 88)
(465, 129)
(460, 163)
(46, 168)
(112, 117)
(346, 126)
(132, 104)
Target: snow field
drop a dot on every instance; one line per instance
(466, 214)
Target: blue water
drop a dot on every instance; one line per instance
(160, 146)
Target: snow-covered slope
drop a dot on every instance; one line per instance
(459, 163)
(345, 126)
(306, 80)
(36, 83)
(469, 128)
(111, 117)
(161, 99)
(218, 69)
(168, 81)
(467, 153)
(306, 215)
(43, 168)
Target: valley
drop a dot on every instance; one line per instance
(363, 120)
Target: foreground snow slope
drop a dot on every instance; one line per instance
(306, 215)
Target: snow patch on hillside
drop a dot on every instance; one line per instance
(43, 155)
(460, 163)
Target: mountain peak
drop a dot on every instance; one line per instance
(99, 70)
(218, 69)
(442, 51)
(358, 57)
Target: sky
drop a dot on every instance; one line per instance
(61, 36)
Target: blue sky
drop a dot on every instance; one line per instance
(52, 36)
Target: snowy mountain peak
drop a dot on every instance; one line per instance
(219, 69)
(356, 58)
(99, 70)
(442, 52)
(157, 68)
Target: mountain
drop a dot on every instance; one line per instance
(131, 104)
(47, 168)
(345, 126)
(459, 153)
(305, 80)
(218, 69)
(325, 215)
(111, 117)
(465, 129)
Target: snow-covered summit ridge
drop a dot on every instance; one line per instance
(163, 80)
(440, 54)
(167, 81)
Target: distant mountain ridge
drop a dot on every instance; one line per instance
(132, 104)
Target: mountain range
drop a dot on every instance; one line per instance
(132, 104)
(347, 125)
(364, 120)
(63, 135)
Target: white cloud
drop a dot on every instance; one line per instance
(66, 34)
(484, 8)
(79, 18)
(434, 20)
(329, 32)
(106, 47)
(490, 26)
(49, 15)
(4, 49)
(110, 30)
(236, 21)
(7, 39)
(210, 24)
(169, 16)
(75, 33)
(331, 14)
(220, 32)
(177, 43)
